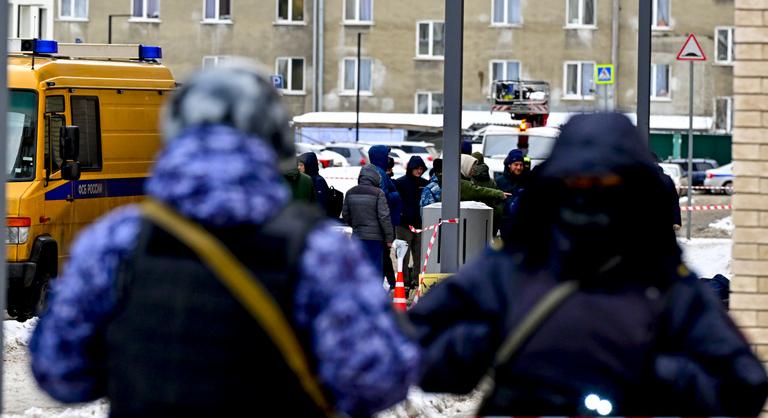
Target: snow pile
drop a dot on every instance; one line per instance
(707, 256)
(98, 409)
(17, 334)
(726, 224)
(429, 405)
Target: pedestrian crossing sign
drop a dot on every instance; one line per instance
(604, 74)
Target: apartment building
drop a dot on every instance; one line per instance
(401, 70)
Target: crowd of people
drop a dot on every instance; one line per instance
(221, 295)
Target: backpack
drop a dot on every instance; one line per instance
(334, 202)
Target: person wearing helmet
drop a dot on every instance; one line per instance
(143, 316)
(598, 314)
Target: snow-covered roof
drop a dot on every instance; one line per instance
(469, 118)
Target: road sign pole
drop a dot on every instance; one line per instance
(690, 151)
(644, 69)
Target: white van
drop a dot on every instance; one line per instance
(497, 141)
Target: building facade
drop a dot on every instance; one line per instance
(749, 303)
(401, 70)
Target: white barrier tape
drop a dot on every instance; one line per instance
(399, 300)
(704, 208)
(435, 226)
(706, 188)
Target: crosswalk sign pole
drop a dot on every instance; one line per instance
(690, 153)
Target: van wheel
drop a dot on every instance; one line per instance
(36, 298)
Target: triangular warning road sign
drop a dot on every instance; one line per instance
(691, 50)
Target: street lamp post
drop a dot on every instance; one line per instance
(357, 82)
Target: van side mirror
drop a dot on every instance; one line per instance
(69, 143)
(70, 170)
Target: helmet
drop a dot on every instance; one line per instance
(236, 93)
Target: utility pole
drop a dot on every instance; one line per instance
(454, 44)
(357, 82)
(644, 69)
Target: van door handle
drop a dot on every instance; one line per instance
(70, 198)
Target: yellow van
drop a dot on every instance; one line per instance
(81, 138)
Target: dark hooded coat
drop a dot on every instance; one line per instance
(302, 186)
(641, 331)
(365, 208)
(410, 188)
(482, 175)
(312, 169)
(379, 156)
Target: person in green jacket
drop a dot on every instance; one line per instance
(301, 185)
(482, 175)
(471, 191)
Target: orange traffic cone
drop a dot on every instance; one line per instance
(399, 299)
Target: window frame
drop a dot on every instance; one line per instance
(99, 145)
(217, 13)
(728, 113)
(290, 20)
(288, 80)
(655, 14)
(343, 73)
(505, 23)
(72, 17)
(430, 101)
(430, 56)
(581, 24)
(217, 59)
(730, 46)
(654, 70)
(144, 17)
(356, 21)
(579, 80)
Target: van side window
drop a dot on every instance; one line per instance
(53, 124)
(85, 114)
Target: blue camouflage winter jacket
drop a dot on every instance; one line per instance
(216, 176)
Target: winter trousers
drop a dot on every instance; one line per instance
(414, 253)
(389, 270)
(373, 249)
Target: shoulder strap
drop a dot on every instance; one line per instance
(524, 329)
(245, 288)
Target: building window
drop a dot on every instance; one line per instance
(661, 12)
(358, 11)
(146, 9)
(723, 114)
(85, 114)
(212, 61)
(580, 12)
(724, 45)
(660, 81)
(507, 12)
(579, 80)
(349, 75)
(217, 10)
(73, 9)
(290, 10)
(430, 39)
(292, 71)
(31, 21)
(429, 103)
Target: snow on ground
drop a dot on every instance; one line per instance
(726, 224)
(22, 398)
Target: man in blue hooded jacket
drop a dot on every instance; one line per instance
(137, 317)
(640, 336)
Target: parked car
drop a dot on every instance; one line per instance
(355, 154)
(325, 157)
(720, 177)
(408, 149)
(700, 166)
(676, 173)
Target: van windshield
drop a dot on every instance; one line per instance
(539, 147)
(22, 121)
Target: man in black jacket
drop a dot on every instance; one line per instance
(640, 332)
(410, 187)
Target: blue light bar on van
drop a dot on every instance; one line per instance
(36, 46)
(149, 52)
